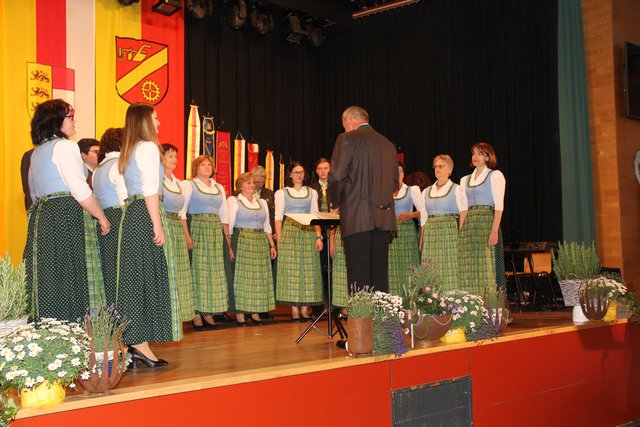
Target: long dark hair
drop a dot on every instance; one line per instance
(288, 182)
(47, 120)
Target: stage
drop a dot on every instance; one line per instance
(544, 371)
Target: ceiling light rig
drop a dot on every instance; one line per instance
(238, 14)
(261, 21)
(382, 7)
(167, 7)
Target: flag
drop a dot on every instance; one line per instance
(281, 180)
(238, 156)
(252, 155)
(208, 136)
(223, 160)
(193, 138)
(269, 165)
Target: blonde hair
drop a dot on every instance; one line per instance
(445, 158)
(138, 126)
(242, 179)
(198, 161)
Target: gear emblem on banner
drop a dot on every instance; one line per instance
(150, 90)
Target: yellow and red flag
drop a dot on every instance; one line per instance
(269, 165)
(72, 44)
(193, 138)
(281, 180)
(238, 156)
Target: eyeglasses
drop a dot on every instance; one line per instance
(70, 116)
(297, 173)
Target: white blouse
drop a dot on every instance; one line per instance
(279, 200)
(498, 184)
(232, 202)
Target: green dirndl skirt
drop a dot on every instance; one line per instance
(252, 281)
(479, 265)
(440, 248)
(146, 293)
(62, 259)
(182, 267)
(299, 277)
(207, 264)
(109, 254)
(404, 255)
(339, 283)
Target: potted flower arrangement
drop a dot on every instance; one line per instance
(468, 312)
(574, 264)
(39, 359)
(14, 302)
(426, 316)
(104, 327)
(495, 303)
(361, 309)
(388, 334)
(607, 288)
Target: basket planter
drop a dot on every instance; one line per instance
(42, 395)
(570, 290)
(360, 336)
(8, 326)
(593, 301)
(109, 364)
(426, 327)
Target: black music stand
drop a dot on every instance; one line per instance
(332, 317)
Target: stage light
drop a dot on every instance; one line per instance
(261, 21)
(296, 32)
(238, 14)
(315, 35)
(382, 7)
(200, 9)
(167, 7)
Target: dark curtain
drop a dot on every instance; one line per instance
(435, 77)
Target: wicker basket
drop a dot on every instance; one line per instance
(570, 290)
(8, 326)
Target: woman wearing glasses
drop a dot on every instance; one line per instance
(299, 278)
(61, 238)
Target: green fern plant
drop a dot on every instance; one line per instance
(14, 301)
(576, 261)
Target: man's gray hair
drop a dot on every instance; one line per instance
(356, 112)
(258, 171)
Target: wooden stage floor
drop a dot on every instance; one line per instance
(238, 355)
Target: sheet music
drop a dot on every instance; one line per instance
(305, 219)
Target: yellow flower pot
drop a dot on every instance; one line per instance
(454, 336)
(612, 312)
(43, 395)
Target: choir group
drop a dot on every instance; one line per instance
(166, 251)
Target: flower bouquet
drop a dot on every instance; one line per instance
(40, 356)
(598, 297)
(467, 311)
(388, 333)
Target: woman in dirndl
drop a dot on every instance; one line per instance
(251, 249)
(404, 254)
(445, 205)
(111, 192)
(299, 275)
(62, 261)
(480, 248)
(208, 225)
(175, 206)
(146, 293)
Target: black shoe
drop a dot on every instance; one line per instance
(223, 318)
(306, 319)
(209, 326)
(266, 316)
(296, 319)
(137, 356)
(197, 328)
(256, 322)
(244, 323)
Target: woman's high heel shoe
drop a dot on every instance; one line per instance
(257, 322)
(137, 356)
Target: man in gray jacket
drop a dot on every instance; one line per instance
(363, 177)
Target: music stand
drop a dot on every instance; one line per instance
(326, 223)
